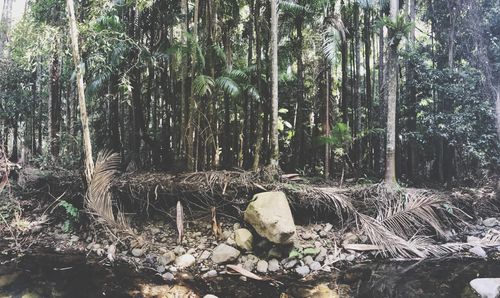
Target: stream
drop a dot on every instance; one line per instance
(45, 273)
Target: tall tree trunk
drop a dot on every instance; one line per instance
(412, 92)
(5, 22)
(379, 149)
(87, 145)
(344, 54)
(326, 120)
(368, 81)
(274, 160)
(54, 106)
(299, 139)
(184, 119)
(191, 105)
(357, 113)
(392, 64)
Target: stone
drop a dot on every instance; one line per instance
(243, 239)
(204, 255)
(262, 266)
(249, 265)
(210, 296)
(137, 252)
(490, 222)
(350, 258)
(322, 255)
(486, 287)
(478, 251)
(315, 266)
(185, 261)
(306, 236)
(303, 270)
(168, 276)
(224, 253)
(271, 217)
(211, 273)
(236, 226)
(179, 250)
(350, 238)
(166, 258)
(273, 265)
(328, 227)
(160, 269)
(308, 260)
(290, 264)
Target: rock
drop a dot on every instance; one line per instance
(273, 265)
(137, 252)
(168, 276)
(478, 251)
(210, 296)
(350, 258)
(166, 258)
(306, 236)
(302, 270)
(185, 261)
(328, 227)
(230, 241)
(160, 269)
(308, 260)
(350, 238)
(236, 226)
(224, 253)
(270, 215)
(490, 222)
(244, 239)
(315, 266)
(204, 255)
(248, 265)
(262, 266)
(179, 250)
(486, 287)
(211, 273)
(290, 264)
(191, 251)
(323, 234)
(322, 255)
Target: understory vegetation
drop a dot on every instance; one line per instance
(381, 118)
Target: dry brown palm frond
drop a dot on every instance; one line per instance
(405, 216)
(430, 248)
(391, 244)
(98, 199)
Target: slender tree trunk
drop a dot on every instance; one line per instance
(326, 120)
(301, 115)
(54, 106)
(344, 54)
(412, 117)
(87, 145)
(368, 81)
(274, 161)
(392, 64)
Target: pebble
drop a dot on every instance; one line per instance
(166, 258)
(160, 269)
(274, 253)
(478, 251)
(290, 264)
(350, 258)
(490, 222)
(168, 276)
(308, 260)
(273, 265)
(322, 255)
(210, 296)
(328, 227)
(204, 255)
(262, 266)
(179, 250)
(137, 252)
(315, 266)
(243, 278)
(211, 273)
(303, 270)
(185, 261)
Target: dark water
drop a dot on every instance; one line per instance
(49, 274)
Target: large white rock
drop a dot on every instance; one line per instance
(271, 217)
(486, 287)
(185, 261)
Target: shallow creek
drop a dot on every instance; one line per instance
(51, 274)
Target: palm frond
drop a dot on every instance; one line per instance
(227, 85)
(404, 217)
(98, 199)
(392, 244)
(203, 85)
(292, 8)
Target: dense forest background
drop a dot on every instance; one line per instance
(187, 85)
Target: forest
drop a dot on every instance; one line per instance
(374, 125)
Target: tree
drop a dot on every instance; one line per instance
(274, 86)
(392, 88)
(87, 145)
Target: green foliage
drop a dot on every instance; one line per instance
(72, 215)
